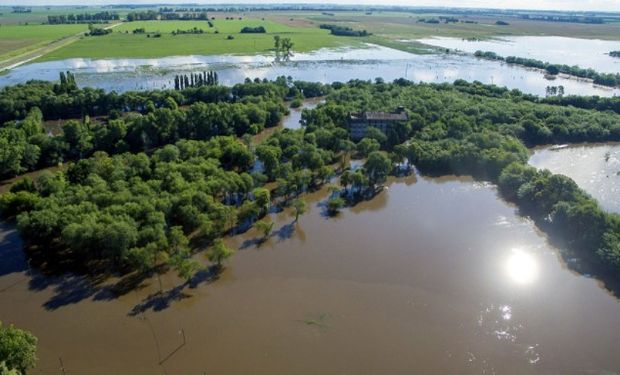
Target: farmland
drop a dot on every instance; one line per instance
(17, 39)
(215, 40)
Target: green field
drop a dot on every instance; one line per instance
(16, 39)
(391, 29)
(123, 43)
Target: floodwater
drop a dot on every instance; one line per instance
(293, 119)
(325, 65)
(594, 167)
(586, 53)
(435, 276)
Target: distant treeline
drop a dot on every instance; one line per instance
(344, 31)
(557, 18)
(100, 17)
(182, 10)
(22, 10)
(605, 79)
(584, 102)
(151, 15)
(253, 30)
(195, 30)
(444, 19)
(184, 81)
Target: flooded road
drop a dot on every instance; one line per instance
(431, 276)
(595, 168)
(325, 65)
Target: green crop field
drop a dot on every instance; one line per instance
(124, 43)
(16, 39)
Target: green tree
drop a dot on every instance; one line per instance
(219, 252)
(377, 167)
(367, 145)
(299, 208)
(262, 197)
(265, 228)
(17, 348)
(78, 137)
(334, 204)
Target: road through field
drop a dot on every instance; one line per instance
(38, 52)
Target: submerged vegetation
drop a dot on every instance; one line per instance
(146, 187)
(605, 79)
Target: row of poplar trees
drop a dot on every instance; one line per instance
(184, 81)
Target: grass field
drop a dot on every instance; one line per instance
(16, 39)
(390, 29)
(123, 43)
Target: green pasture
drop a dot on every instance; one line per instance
(123, 43)
(16, 39)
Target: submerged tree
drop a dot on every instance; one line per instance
(299, 208)
(265, 228)
(219, 252)
(334, 204)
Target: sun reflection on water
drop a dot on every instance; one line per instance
(521, 267)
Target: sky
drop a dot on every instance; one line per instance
(595, 5)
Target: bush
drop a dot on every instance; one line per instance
(296, 103)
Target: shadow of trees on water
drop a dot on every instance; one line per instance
(163, 299)
(72, 289)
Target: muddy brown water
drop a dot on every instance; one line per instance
(432, 276)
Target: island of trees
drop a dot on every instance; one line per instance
(343, 30)
(253, 30)
(163, 174)
(97, 31)
(614, 53)
(605, 79)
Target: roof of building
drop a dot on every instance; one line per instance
(381, 116)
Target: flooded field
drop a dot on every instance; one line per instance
(595, 168)
(379, 289)
(325, 65)
(587, 53)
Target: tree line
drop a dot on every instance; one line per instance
(344, 30)
(99, 17)
(151, 15)
(184, 81)
(605, 79)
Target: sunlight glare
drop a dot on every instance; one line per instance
(522, 267)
